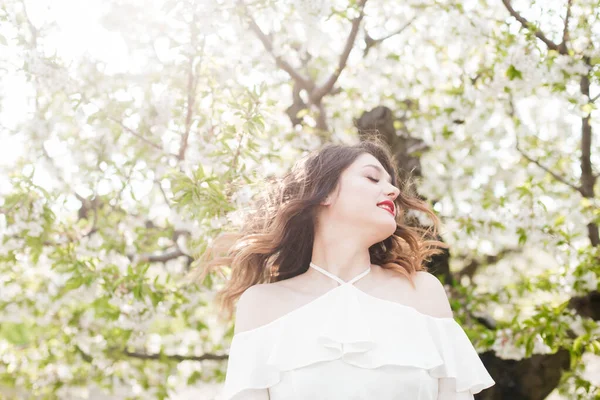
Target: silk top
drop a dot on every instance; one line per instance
(347, 344)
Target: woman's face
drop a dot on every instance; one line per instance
(361, 187)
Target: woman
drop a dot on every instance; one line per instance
(334, 299)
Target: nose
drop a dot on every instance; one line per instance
(393, 192)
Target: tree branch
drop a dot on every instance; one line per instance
(297, 105)
(565, 36)
(165, 256)
(180, 232)
(305, 83)
(56, 168)
(470, 269)
(175, 357)
(321, 91)
(238, 151)
(164, 194)
(370, 42)
(192, 84)
(315, 94)
(588, 181)
(146, 356)
(559, 178)
(137, 135)
(527, 25)
(548, 170)
(321, 117)
(127, 180)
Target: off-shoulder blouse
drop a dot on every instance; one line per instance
(347, 344)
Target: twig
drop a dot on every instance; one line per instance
(237, 152)
(548, 170)
(527, 25)
(191, 93)
(559, 178)
(279, 61)
(93, 229)
(134, 133)
(128, 178)
(370, 42)
(175, 357)
(57, 170)
(565, 36)
(145, 356)
(164, 194)
(164, 257)
(320, 92)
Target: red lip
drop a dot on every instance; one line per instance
(390, 204)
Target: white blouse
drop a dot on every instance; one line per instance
(347, 344)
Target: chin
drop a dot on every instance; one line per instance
(387, 231)
(391, 232)
(379, 228)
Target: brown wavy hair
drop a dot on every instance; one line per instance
(276, 239)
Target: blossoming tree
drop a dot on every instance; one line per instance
(143, 145)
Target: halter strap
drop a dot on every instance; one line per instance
(335, 278)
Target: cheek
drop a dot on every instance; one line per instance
(360, 193)
(362, 184)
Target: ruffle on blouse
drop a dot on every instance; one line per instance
(361, 330)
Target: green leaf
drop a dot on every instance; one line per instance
(156, 298)
(513, 73)
(14, 333)
(201, 326)
(579, 343)
(447, 133)
(74, 282)
(529, 345)
(522, 236)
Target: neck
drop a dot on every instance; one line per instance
(341, 255)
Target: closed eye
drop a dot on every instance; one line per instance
(373, 179)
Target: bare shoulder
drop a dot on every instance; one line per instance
(432, 295)
(248, 314)
(428, 296)
(256, 306)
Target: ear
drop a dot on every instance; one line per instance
(329, 198)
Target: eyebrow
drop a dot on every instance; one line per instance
(377, 167)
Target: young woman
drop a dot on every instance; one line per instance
(333, 299)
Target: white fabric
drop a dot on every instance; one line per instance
(347, 344)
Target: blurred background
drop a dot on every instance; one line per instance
(133, 132)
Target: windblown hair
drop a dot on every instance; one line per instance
(276, 239)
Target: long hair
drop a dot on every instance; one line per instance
(277, 234)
